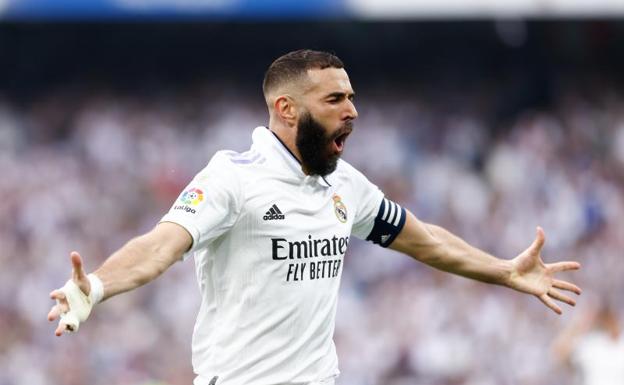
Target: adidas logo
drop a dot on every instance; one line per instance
(274, 213)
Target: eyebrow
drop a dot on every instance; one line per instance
(340, 94)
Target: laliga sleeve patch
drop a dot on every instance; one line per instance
(189, 200)
(388, 223)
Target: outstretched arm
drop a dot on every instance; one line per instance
(138, 262)
(143, 258)
(526, 273)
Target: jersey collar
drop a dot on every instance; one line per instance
(269, 144)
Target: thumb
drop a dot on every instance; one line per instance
(78, 273)
(538, 243)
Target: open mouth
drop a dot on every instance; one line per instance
(339, 141)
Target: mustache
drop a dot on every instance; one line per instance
(346, 128)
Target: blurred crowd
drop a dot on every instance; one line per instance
(87, 170)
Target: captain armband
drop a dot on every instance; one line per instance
(388, 223)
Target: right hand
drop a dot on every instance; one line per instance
(532, 276)
(80, 279)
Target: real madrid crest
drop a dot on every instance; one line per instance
(340, 209)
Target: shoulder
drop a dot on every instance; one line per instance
(359, 184)
(218, 164)
(346, 171)
(241, 159)
(230, 162)
(223, 169)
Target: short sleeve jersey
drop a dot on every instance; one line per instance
(269, 244)
(600, 359)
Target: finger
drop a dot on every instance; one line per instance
(567, 286)
(563, 266)
(57, 310)
(60, 329)
(550, 303)
(78, 273)
(556, 294)
(540, 238)
(58, 295)
(53, 314)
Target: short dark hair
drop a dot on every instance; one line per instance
(294, 64)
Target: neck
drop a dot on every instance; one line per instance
(287, 135)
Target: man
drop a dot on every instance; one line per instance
(593, 346)
(269, 229)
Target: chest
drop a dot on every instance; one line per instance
(299, 211)
(299, 232)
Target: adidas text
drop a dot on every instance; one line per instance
(273, 217)
(273, 213)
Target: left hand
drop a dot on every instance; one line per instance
(531, 275)
(62, 307)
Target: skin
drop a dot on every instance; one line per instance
(328, 96)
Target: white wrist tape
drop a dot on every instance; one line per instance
(80, 304)
(97, 288)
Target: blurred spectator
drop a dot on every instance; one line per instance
(594, 347)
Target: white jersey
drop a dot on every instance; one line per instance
(269, 244)
(600, 359)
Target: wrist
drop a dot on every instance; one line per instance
(97, 289)
(507, 273)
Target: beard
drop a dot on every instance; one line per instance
(316, 146)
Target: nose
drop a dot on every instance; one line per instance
(350, 111)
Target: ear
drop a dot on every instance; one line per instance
(286, 108)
